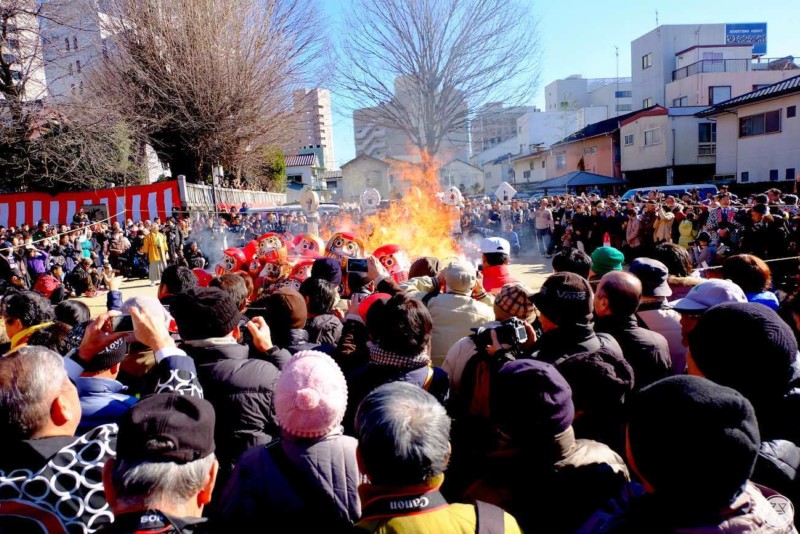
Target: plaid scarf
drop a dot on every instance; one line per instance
(379, 356)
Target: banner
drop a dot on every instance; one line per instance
(754, 33)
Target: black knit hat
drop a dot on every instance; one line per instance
(204, 312)
(745, 346)
(531, 401)
(286, 310)
(167, 427)
(693, 440)
(329, 269)
(106, 358)
(565, 298)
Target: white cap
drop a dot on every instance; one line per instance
(495, 244)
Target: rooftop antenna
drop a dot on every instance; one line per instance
(656, 18)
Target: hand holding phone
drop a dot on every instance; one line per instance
(119, 324)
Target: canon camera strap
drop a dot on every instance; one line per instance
(401, 505)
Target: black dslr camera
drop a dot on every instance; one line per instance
(510, 332)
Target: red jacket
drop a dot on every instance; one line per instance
(496, 277)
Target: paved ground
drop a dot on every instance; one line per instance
(528, 268)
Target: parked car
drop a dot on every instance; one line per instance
(674, 190)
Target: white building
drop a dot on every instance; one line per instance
(664, 146)
(361, 173)
(463, 175)
(673, 52)
(376, 137)
(313, 126)
(22, 50)
(301, 173)
(76, 35)
(575, 92)
(758, 134)
(494, 124)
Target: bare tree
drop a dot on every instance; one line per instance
(421, 66)
(209, 81)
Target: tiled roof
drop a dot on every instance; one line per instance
(786, 87)
(331, 175)
(600, 128)
(303, 160)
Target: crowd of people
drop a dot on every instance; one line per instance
(638, 390)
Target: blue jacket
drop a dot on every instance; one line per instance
(102, 401)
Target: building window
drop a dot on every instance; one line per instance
(16, 75)
(9, 59)
(69, 69)
(745, 176)
(561, 161)
(680, 102)
(80, 88)
(543, 164)
(647, 61)
(13, 44)
(791, 111)
(487, 175)
(760, 86)
(773, 175)
(707, 132)
(652, 137)
(624, 107)
(628, 139)
(622, 94)
(74, 43)
(530, 165)
(647, 102)
(78, 66)
(589, 151)
(526, 175)
(718, 93)
(763, 123)
(790, 174)
(66, 43)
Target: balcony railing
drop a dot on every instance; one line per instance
(707, 149)
(734, 65)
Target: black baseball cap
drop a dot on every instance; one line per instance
(167, 427)
(565, 298)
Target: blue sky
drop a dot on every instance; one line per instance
(578, 37)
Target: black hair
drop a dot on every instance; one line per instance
(72, 312)
(53, 336)
(29, 307)
(178, 279)
(234, 285)
(749, 272)
(572, 260)
(496, 258)
(675, 257)
(401, 325)
(321, 295)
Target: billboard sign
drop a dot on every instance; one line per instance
(753, 33)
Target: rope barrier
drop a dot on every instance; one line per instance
(58, 235)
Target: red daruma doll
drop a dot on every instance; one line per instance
(232, 260)
(395, 260)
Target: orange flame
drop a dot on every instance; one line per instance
(419, 222)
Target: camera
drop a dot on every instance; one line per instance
(510, 332)
(357, 265)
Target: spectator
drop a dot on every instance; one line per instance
(565, 304)
(572, 260)
(23, 314)
(605, 260)
(174, 280)
(633, 235)
(495, 253)
(49, 285)
(234, 285)
(544, 226)
(323, 327)
(165, 469)
(54, 337)
(37, 261)
(752, 274)
(678, 262)
(654, 311)
(532, 407)
(455, 312)
(404, 445)
(237, 386)
(286, 315)
(513, 239)
(760, 361)
(705, 491)
(700, 299)
(72, 312)
(601, 381)
(615, 305)
(399, 330)
(308, 478)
